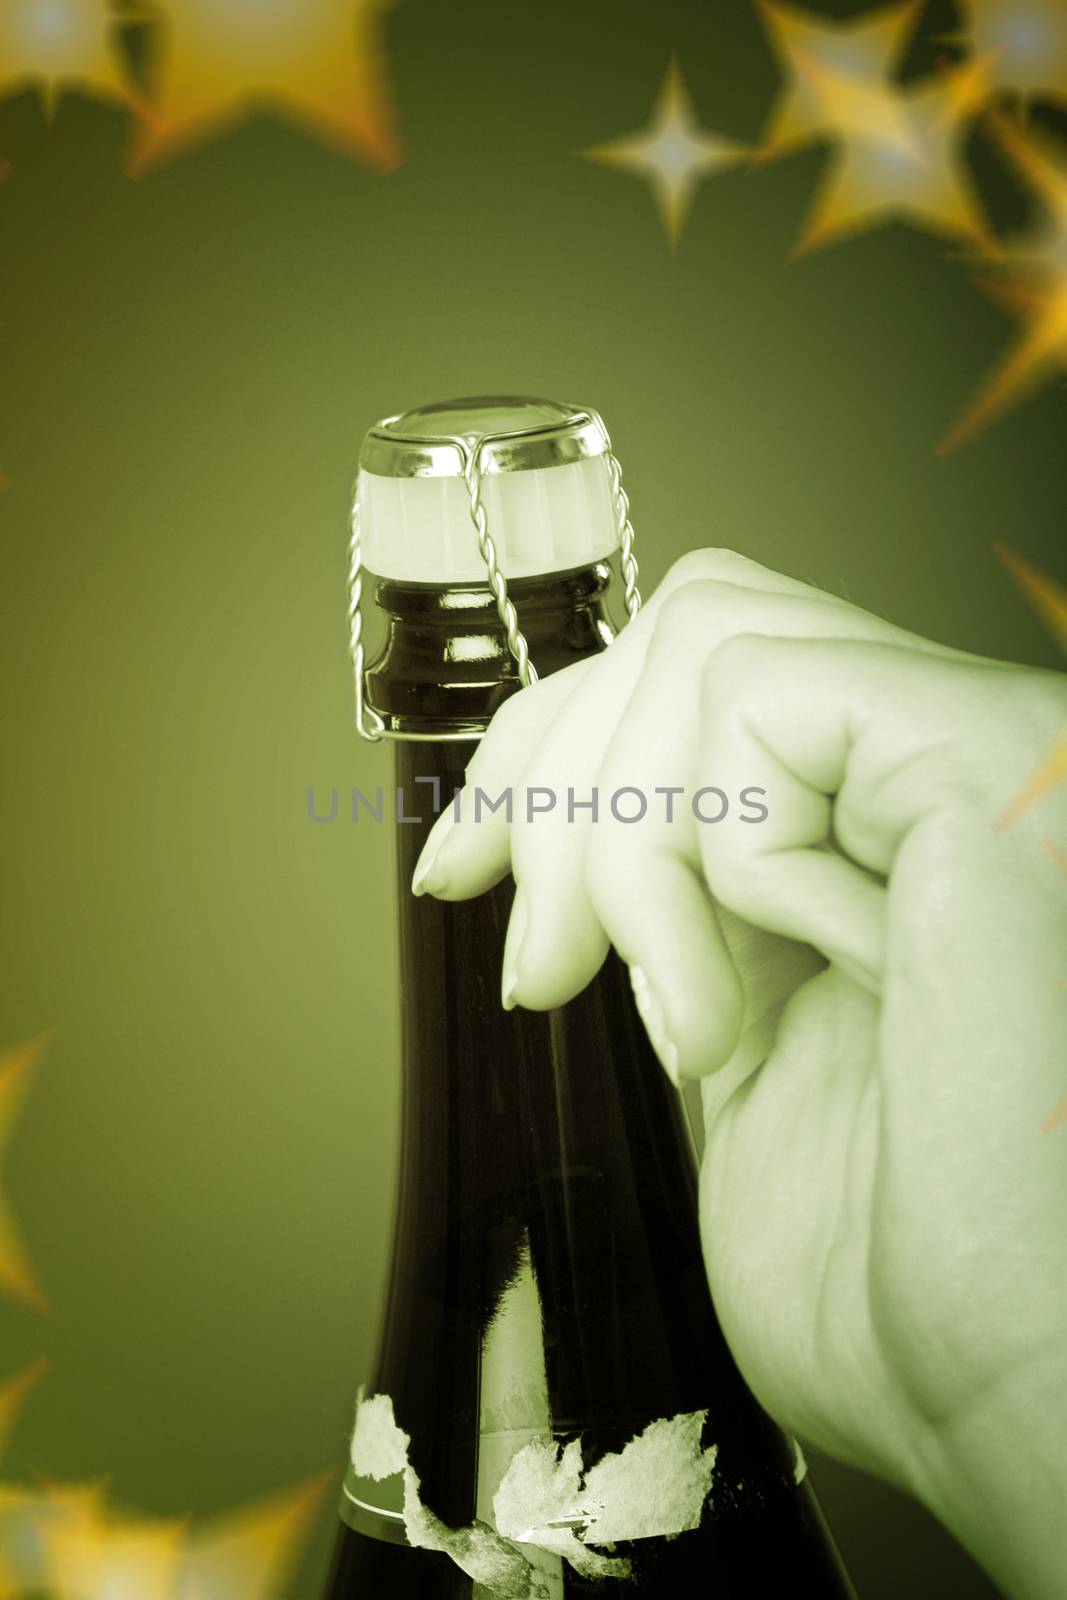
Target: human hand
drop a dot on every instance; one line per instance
(870, 984)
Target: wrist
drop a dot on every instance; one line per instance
(996, 1476)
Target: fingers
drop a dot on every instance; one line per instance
(808, 720)
(646, 725)
(468, 848)
(704, 992)
(466, 853)
(633, 686)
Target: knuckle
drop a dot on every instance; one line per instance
(686, 608)
(711, 562)
(690, 567)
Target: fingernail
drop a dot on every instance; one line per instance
(513, 950)
(655, 1021)
(429, 876)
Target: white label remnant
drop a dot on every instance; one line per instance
(655, 1486)
(379, 1447)
(549, 1501)
(478, 1550)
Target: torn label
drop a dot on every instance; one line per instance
(379, 1447)
(655, 1486)
(535, 1504)
(477, 1550)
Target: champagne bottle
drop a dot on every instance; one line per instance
(553, 1411)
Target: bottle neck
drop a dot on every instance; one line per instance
(547, 1287)
(444, 667)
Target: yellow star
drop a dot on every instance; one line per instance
(317, 62)
(249, 1554)
(1035, 291)
(674, 152)
(915, 174)
(1044, 167)
(17, 1277)
(59, 43)
(1026, 41)
(858, 57)
(28, 1520)
(114, 1558)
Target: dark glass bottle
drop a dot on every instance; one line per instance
(547, 1285)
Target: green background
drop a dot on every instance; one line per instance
(204, 1167)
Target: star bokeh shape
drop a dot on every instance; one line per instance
(1025, 42)
(249, 1553)
(1031, 285)
(673, 153)
(104, 1553)
(913, 173)
(857, 55)
(70, 1540)
(317, 63)
(29, 1518)
(54, 45)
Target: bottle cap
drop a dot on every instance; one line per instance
(545, 484)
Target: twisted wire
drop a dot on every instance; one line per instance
(368, 723)
(516, 639)
(630, 569)
(373, 729)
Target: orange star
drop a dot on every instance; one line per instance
(250, 1554)
(60, 43)
(1026, 41)
(674, 152)
(914, 172)
(858, 56)
(319, 63)
(1036, 292)
(16, 1273)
